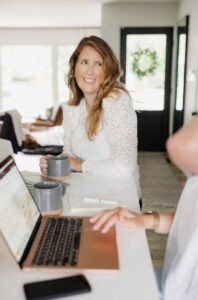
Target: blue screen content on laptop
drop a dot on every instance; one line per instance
(18, 211)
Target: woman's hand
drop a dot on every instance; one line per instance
(106, 219)
(75, 164)
(43, 163)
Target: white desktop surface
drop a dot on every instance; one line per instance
(135, 278)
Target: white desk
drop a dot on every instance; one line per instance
(135, 279)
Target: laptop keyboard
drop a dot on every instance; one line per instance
(59, 243)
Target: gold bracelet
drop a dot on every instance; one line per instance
(156, 217)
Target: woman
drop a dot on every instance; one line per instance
(99, 121)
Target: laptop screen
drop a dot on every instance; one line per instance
(18, 211)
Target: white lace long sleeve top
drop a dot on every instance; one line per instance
(113, 151)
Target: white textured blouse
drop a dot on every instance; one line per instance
(113, 151)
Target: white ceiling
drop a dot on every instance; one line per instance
(56, 13)
(122, 1)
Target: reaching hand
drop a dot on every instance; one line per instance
(106, 219)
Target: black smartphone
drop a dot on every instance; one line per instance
(60, 287)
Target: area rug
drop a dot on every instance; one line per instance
(159, 181)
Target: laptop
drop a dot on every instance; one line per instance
(33, 239)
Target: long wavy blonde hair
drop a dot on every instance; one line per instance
(111, 83)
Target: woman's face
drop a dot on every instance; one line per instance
(89, 72)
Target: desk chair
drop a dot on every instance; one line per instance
(40, 123)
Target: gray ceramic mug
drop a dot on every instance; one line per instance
(48, 196)
(58, 166)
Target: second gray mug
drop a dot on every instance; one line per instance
(58, 166)
(48, 196)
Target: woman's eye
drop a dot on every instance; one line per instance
(83, 62)
(100, 64)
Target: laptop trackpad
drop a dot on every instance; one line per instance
(97, 250)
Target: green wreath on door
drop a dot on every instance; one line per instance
(144, 62)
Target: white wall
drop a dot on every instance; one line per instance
(190, 7)
(49, 13)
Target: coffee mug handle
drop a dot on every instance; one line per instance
(63, 187)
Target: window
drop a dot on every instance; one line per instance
(29, 75)
(33, 68)
(145, 70)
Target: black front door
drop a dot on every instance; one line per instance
(146, 56)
